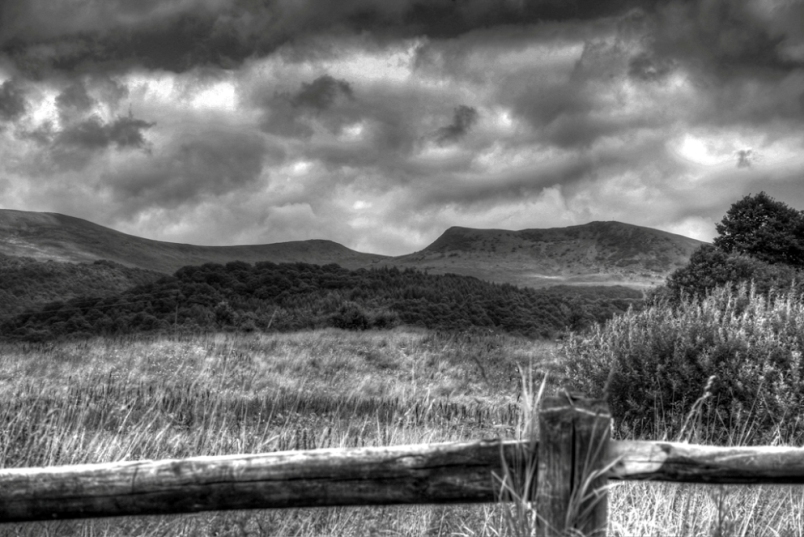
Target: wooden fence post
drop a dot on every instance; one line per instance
(571, 488)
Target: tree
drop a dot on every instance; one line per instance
(760, 240)
(763, 228)
(710, 267)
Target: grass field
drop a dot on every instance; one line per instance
(153, 398)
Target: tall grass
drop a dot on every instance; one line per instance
(106, 400)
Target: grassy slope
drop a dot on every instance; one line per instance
(105, 400)
(26, 283)
(598, 253)
(65, 238)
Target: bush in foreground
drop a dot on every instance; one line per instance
(654, 365)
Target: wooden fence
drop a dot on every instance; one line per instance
(564, 472)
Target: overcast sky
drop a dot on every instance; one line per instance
(378, 124)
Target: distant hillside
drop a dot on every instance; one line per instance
(26, 283)
(598, 253)
(59, 237)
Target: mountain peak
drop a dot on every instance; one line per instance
(599, 252)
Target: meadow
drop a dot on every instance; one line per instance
(157, 397)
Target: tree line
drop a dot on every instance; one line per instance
(293, 296)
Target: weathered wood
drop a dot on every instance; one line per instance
(690, 463)
(554, 474)
(571, 482)
(575, 459)
(437, 473)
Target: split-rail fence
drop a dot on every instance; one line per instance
(563, 470)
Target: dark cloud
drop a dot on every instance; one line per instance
(725, 39)
(321, 93)
(293, 114)
(177, 36)
(545, 107)
(208, 165)
(74, 146)
(574, 173)
(394, 119)
(569, 115)
(280, 117)
(12, 101)
(74, 100)
(127, 131)
(745, 158)
(647, 67)
(93, 134)
(463, 120)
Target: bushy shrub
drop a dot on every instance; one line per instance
(653, 365)
(384, 319)
(351, 316)
(710, 267)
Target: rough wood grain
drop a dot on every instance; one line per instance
(690, 463)
(436, 473)
(460, 472)
(571, 489)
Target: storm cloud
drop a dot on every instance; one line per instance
(321, 93)
(12, 101)
(380, 124)
(179, 34)
(93, 134)
(464, 118)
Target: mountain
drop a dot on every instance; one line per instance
(59, 237)
(598, 253)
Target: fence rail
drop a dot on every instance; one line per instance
(435, 473)
(566, 469)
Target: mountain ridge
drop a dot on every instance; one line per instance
(596, 253)
(67, 238)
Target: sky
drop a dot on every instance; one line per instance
(380, 124)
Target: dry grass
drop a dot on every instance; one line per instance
(124, 399)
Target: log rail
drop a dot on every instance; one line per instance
(436, 473)
(461, 472)
(575, 441)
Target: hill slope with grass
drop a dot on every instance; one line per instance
(60, 237)
(26, 283)
(598, 253)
